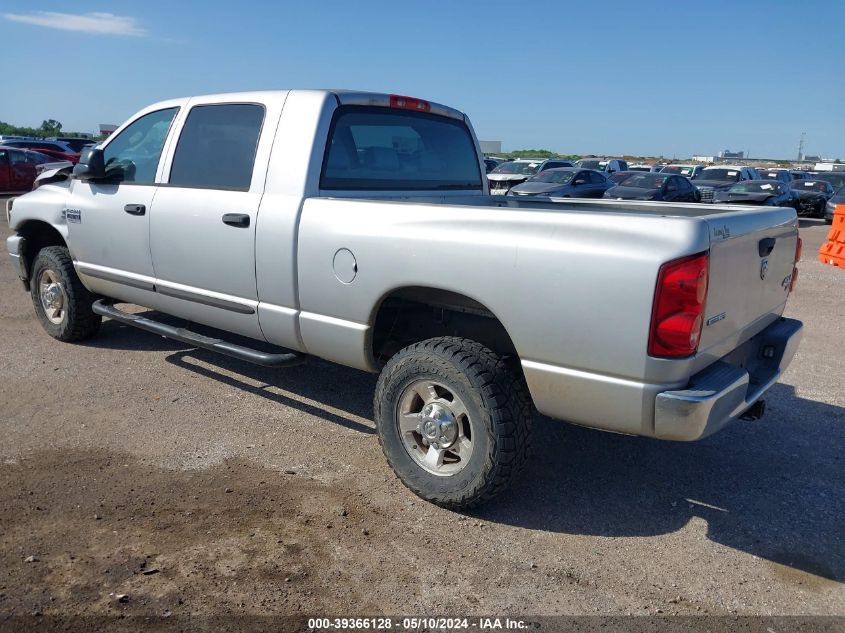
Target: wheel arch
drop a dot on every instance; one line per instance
(37, 234)
(409, 314)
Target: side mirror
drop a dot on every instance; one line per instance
(91, 165)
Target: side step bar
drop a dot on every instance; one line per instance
(106, 308)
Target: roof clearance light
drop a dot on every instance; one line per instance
(409, 103)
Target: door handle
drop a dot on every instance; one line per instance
(236, 219)
(135, 209)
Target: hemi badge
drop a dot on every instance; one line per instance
(716, 319)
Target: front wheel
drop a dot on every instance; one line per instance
(454, 420)
(62, 303)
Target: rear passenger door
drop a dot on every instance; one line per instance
(202, 226)
(598, 184)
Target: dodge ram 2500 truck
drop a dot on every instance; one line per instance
(358, 228)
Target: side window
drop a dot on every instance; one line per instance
(132, 155)
(35, 158)
(596, 178)
(672, 185)
(216, 149)
(17, 157)
(4, 157)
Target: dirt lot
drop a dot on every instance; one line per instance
(194, 483)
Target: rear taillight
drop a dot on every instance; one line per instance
(678, 313)
(799, 246)
(409, 103)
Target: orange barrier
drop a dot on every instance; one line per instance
(833, 251)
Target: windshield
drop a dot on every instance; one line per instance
(684, 170)
(810, 185)
(556, 176)
(718, 174)
(645, 181)
(836, 179)
(516, 168)
(751, 186)
(768, 175)
(592, 164)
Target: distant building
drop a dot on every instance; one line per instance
(830, 167)
(491, 147)
(106, 129)
(726, 153)
(704, 159)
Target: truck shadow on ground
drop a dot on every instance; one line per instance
(774, 488)
(348, 391)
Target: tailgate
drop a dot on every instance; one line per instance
(752, 254)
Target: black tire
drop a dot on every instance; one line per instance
(499, 412)
(78, 321)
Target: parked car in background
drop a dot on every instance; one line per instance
(835, 178)
(830, 205)
(721, 178)
(800, 175)
(18, 169)
(76, 144)
(688, 171)
(619, 176)
(812, 196)
(565, 182)
(490, 164)
(514, 172)
(766, 193)
(660, 187)
(54, 149)
(781, 175)
(609, 165)
(658, 168)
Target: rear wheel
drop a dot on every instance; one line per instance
(62, 303)
(453, 420)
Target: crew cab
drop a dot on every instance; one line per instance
(358, 228)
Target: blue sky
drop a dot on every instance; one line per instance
(605, 77)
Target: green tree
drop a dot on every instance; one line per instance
(50, 127)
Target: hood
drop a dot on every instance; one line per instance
(727, 197)
(631, 193)
(715, 184)
(536, 188)
(508, 177)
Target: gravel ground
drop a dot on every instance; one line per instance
(191, 483)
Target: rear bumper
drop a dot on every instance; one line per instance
(686, 410)
(724, 391)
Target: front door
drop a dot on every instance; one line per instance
(202, 228)
(109, 221)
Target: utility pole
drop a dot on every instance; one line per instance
(801, 147)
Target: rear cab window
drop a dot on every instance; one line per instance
(379, 149)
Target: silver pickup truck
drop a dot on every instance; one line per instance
(358, 228)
